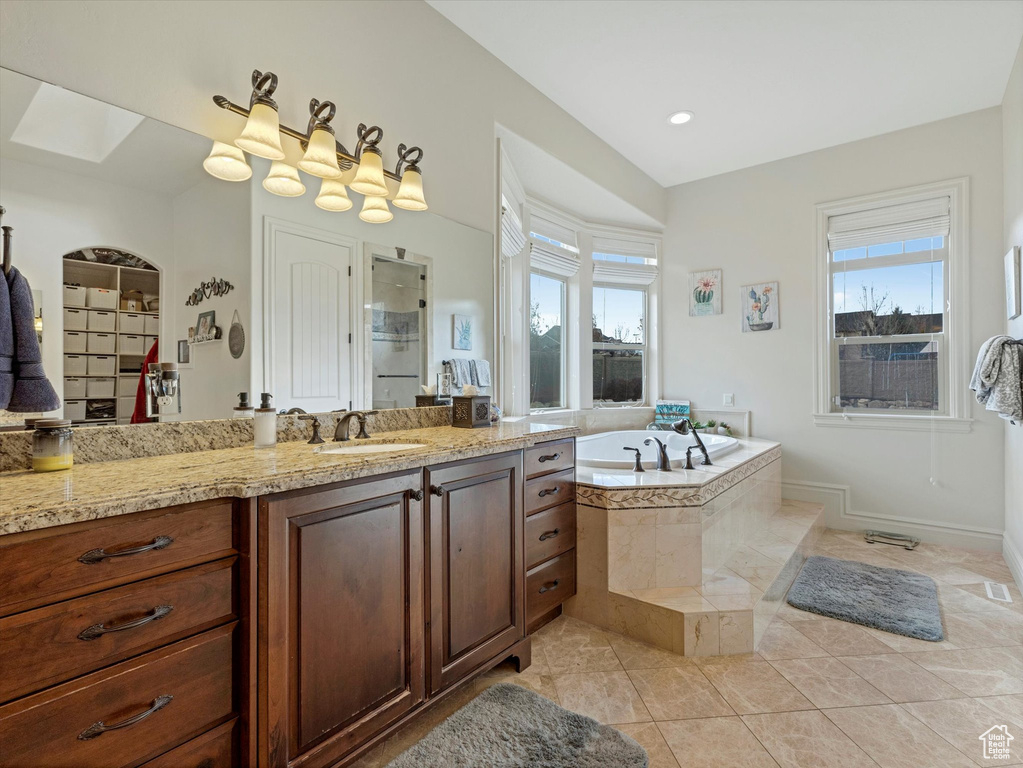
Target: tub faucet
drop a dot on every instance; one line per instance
(663, 462)
(684, 427)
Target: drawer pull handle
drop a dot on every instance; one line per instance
(94, 556)
(550, 457)
(550, 491)
(416, 495)
(549, 534)
(437, 490)
(98, 729)
(98, 630)
(550, 586)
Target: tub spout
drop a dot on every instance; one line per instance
(663, 462)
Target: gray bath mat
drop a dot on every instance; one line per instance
(901, 602)
(508, 726)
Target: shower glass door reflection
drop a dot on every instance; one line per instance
(399, 327)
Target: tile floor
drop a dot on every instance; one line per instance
(818, 693)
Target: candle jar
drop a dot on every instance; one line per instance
(52, 445)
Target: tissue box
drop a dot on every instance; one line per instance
(470, 412)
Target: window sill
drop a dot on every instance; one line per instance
(899, 422)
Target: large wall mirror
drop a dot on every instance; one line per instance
(129, 243)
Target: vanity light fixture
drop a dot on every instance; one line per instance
(323, 157)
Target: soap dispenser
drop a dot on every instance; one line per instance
(244, 408)
(265, 423)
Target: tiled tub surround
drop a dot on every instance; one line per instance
(695, 562)
(31, 500)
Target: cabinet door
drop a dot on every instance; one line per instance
(342, 627)
(476, 564)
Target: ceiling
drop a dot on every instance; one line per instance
(767, 80)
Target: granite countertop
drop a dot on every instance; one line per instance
(32, 500)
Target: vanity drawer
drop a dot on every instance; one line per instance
(214, 749)
(544, 458)
(550, 533)
(60, 727)
(549, 585)
(44, 567)
(550, 490)
(46, 646)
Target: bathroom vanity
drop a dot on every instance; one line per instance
(309, 606)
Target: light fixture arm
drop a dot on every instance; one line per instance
(320, 115)
(263, 86)
(368, 139)
(410, 156)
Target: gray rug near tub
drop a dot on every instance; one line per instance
(508, 726)
(901, 602)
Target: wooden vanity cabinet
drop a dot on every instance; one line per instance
(341, 630)
(476, 564)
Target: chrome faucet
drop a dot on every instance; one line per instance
(663, 462)
(342, 429)
(684, 427)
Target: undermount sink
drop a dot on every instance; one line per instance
(344, 449)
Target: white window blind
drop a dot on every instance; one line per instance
(551, 230)
(621, 247)
(623, 274)
(513, 239)
(552, 260)
(892, 223)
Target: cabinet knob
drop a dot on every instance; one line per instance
(437, 490)
(417, 495)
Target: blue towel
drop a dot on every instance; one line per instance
(32, 390)
(6, 347)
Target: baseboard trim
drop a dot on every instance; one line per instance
(1014, 559)
(838, 513)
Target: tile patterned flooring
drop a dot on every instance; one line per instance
(818, 693)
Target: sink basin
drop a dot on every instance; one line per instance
(347, 449)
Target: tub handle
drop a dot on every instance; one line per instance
(549, 534)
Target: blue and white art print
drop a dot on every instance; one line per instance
(461, 332)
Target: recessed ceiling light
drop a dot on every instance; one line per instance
(678, 118)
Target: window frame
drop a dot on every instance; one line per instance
(644, 347)
(563, 395)
(954, 340)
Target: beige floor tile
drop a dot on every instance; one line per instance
(806, 740)
(726, 582)
(961, 722)
(633, 654)
(792, 615)
(957, 600)
(903, 644)
(536, 678)
(784, 641)
(569, 646)
(976, 672)
(1009, 707)
(900, 679)
(981, 591)
(896, 739)
(734, 658)
(649, 737)
(608, 697)
(841, 638)
(678, 693)
(715, 742)
(755, 686)
(827, 682)
(981, 630)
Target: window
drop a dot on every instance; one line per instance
(891, 291)
(619, 344)
(546, 343)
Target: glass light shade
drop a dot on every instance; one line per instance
(283, 180)
(333, 196)
(320, 158)
(227, 163)
(347, 177)
(392, 188)
(262, 134)
(410, 194)
(370, 178)
(375, 211)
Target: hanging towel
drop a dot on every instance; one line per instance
(6, 347)
(32, 390)
(480, 370)
(998, 377)
(461, 371)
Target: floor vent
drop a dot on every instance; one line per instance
(998, 592)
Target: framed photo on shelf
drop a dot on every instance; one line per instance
(206, 324)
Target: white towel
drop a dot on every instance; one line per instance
(461, 371)
(480, 373)
(998, 377)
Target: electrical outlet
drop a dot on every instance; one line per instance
(729, 399)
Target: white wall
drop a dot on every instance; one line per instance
(400, 65)
(61, 212)
(758, 224)
(1012, 178)
(211, 239)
